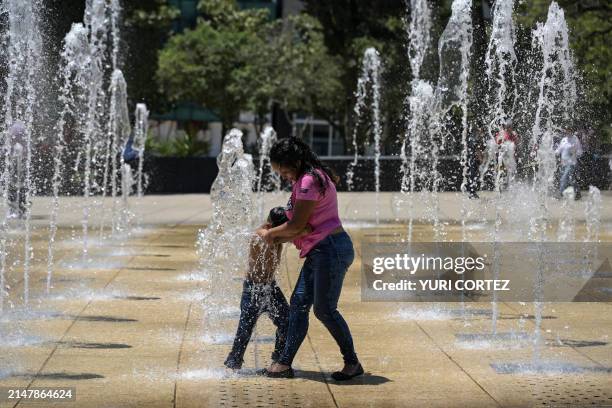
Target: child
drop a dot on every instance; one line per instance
(261, 294)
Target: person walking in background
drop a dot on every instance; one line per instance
(570, 149)
(507, 140)
(129, 153)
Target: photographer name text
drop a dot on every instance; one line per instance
(409, 265)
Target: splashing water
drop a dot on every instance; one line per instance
(24, 50)
(368, 85)
(419, 36)
(421, 103)
(223, 245)
(567, 225)
(124, 215)
(592, 214)
(141, 130)
(267, 178)
(95, 22)
(454, 52)
(94, 115)
(103, 117)
(115, 10)
(119, 132)
(75, 61)
(500, 62)
(556, 100)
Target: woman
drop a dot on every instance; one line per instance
(327, 248)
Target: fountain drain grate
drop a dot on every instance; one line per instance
(568, 391)
(255, 391)
(236, 393)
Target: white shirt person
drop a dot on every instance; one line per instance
(570, 150)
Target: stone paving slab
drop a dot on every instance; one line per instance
(358, 209)
(128, 330)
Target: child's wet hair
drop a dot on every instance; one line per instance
(277, 216)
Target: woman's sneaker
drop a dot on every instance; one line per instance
(340, 376)
(288, 373)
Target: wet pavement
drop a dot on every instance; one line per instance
(127, 328)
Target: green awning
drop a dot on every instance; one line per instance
(188, 112)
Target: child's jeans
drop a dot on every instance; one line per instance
(259, 298)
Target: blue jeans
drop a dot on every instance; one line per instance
(320, 284)
(258, 298)
(568, 178)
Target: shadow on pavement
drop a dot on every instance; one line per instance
(366, 379)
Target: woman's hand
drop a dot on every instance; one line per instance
(267, 237)
(303, 209)
(262, 229)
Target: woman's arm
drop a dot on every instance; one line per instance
(303, 232)
(301, 214)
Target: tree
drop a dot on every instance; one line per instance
(237, 60)
(590, 24)
(351, 26)
(148, 25)
(199, 65)
(292, 69)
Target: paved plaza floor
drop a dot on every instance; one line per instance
(126, 328)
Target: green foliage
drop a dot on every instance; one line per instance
(291, 67)
(199, 65)
(590, 24)
(151, 14)
(147, 26)
(225, 13)
(185, 145)
(238, 60)
(351, 26)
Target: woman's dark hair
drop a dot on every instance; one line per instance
(277, 216)
(293, 152)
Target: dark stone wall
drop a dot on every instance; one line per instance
(173, 175)
(169, 175)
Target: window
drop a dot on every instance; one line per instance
(320, 135)
(255, 4)
(189, 14)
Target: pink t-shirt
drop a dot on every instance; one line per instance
(324, 219)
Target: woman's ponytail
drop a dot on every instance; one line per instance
(293, 152)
